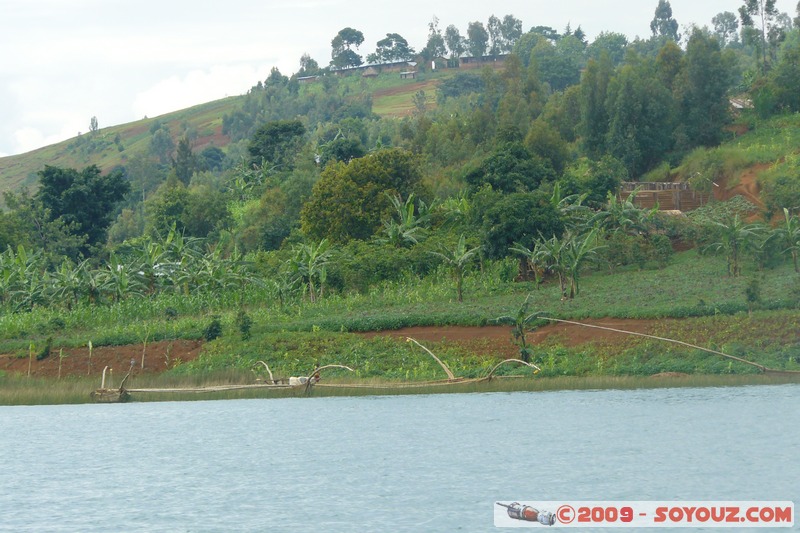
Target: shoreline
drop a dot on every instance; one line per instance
(18, 391)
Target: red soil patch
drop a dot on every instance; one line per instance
(747, 186)
(498, 340)
(162, 355)
(158, 357)
(217, 139)
(737, 129)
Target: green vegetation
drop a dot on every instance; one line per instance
(278, 224)
(291, 340)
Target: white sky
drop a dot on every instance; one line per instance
(65, 61)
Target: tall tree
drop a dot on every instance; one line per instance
(641, 114)
(477, 39)
(580, 35)
(516, 218)
(350, 200)
(560, 64)
(435, 46)
(455, 42)
(161, 144)
(185, 162)
(394, 47)
(663, 24)
(669, 64)
(594, 116)
(342, 55)
(613, 44)
(511, 30)
(277, 144)
(308, 66)
(796, 20)
(759, 22)
(784, 78)
(551, 34)
(726, 27)
(32, 225)
(702, 90)
(84, 200)
(494, 28)
(511, 168)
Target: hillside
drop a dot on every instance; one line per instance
(390, 96)
(100, 149)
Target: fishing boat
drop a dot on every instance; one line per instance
(301, 383)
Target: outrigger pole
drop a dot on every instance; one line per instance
(450, 375)
(762, 368)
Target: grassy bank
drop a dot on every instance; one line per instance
(18, 391)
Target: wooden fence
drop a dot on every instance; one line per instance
(667, 196)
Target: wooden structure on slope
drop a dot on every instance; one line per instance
(668, 196)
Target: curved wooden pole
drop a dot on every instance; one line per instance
(310, 381)
(320, 369)
(444, 366)
(272, 379)
(762, 368)
(501, 363)
(122, 385)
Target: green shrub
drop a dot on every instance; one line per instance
(213, 330)
(622, 249)
(662, 173)
(781, 190)
(704, 167)
(45, 351)
(244, 323)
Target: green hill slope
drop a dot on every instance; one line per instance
(115, 145)
(112, 146)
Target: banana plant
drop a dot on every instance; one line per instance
(120, 280)
(789, 235)
(9, 275)
(552, 254)
(734, 235)
(406, 227)
(65, 284)
(29, 288)
(310, 264)
(624, 215)
(151, 258)
(457, 259)
(520, 322)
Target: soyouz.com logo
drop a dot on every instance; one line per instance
(650, 514)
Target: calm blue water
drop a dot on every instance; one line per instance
(397, 463)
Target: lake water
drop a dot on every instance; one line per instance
(396, 463)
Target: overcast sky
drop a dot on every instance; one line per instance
(65, 61)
